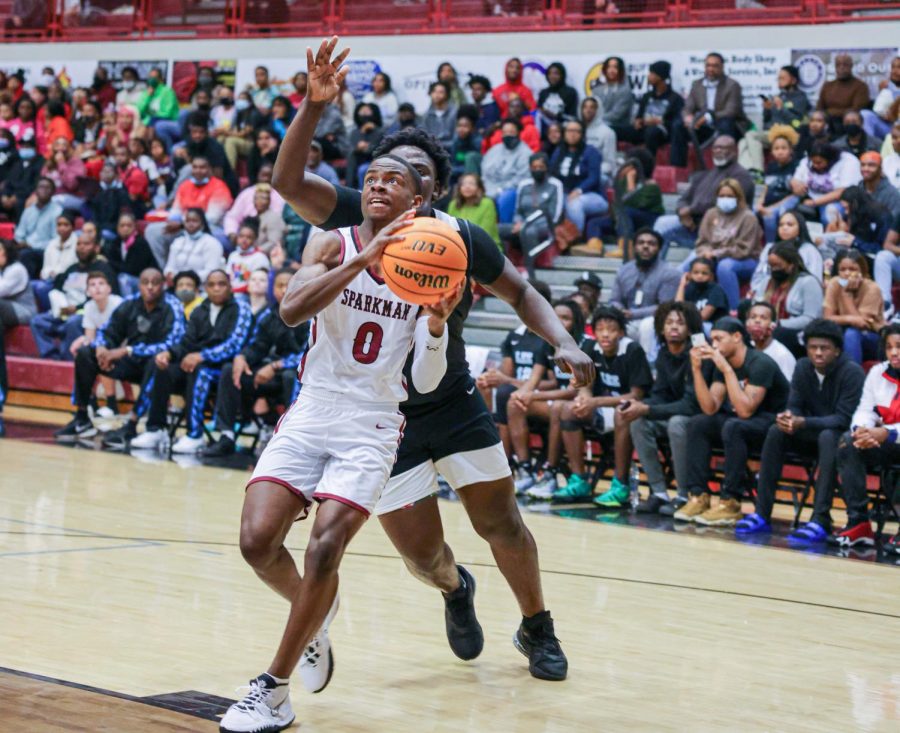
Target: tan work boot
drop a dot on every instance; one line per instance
(619, 251)
(694, 508)
(723, 514)
(594, 247)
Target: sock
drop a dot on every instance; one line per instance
(228, 434)
(533, 623)
(664, 495)
(113, 404)
(81, 414)
(526, 466)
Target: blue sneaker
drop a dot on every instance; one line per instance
(809, 533)
(752, 524)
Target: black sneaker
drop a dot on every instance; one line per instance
(673, 506)
(546, 659)
(76, 429)
(118, 439)
(652, 505)
(224, 446)
(464, 633)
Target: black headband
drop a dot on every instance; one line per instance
(415, 174)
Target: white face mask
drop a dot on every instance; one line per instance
(128, 85)
(726, 205)
(720, 162)
(843, 282)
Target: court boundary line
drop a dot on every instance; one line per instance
(566, 573)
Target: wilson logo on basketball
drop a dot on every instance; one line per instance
(423, 279)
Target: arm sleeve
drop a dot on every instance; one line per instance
(430, 358)
(175, 330)
(229, 348)
(849, 392)
(487, 260)
(347, 209)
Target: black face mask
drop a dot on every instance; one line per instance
(780, 276)
(511, 141)
(407, 123)
(204, 106)
(365, 119)
(853, 130)
(539, 176)
(227, 102)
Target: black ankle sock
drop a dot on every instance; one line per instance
(113, 404)
(532, 623)
(81, 414)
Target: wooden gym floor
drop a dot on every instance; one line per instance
(126, 606)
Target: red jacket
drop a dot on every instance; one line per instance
(529, 135)
(505, 92)
(135, 182)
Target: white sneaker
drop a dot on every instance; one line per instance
(317, 662)
(187, 444)
(266, 707)
(524, 482)
(543, 489)
(105, 413)
(150, 440)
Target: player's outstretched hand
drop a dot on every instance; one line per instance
(374, 249)
(439, 312)
(573, 360)
(324, 74)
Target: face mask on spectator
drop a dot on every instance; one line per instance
(47, 80)
(185, 296)
(227, 101)
(853, 130)
(128, 84)
(725, 204)
(721, 162)
(780, 276)
(539, 176)
(195, 235)
(27, 153)
(242, 104)
(154, 82)
(511, 141)
(204, 106)
(199, 181)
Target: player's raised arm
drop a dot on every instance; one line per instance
(310, 196)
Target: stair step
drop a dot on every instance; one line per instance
(483, 336)
(503, 320)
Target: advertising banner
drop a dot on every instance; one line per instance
(872, 65)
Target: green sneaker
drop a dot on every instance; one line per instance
(616, 497)
(577, 489)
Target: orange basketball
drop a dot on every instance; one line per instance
(430, 261)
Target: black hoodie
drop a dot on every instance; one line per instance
(829, 406)
(559, 101)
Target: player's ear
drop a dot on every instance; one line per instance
(417, 202)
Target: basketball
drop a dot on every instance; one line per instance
(429, 263)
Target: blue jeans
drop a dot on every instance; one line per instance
(169, 131)
(730, 273)
(885, 271)
(506, 205)
(770, 222)
(672, 231)
(860, 344)
(874, 125)
(46, 330)
(41, 290)
(587, 204)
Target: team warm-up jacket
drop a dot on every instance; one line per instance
(880, 402)
(216, 343)
(273, 339)
(148, 333)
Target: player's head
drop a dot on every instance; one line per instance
(281, 282)
(218, 287)
(425, 153)
(676, 321)
(391, 186)
(571, 316)
(609, 328)
(151, 285)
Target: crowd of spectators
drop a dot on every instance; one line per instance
(150, 247)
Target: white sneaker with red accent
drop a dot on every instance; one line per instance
(317, 662)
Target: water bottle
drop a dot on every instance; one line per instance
(634, 485)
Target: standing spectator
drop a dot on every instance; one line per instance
(503, 167)
(698, 286)
(854, 302)
(761, 321)
(714, 106)
(876, 185)
(730, 233)
(110, 201)
(641, 286)
(614, 95)
(364, 138)
(855, 140)
(877, 121)
(262, 92)
(824, 392)
(488, 109)
(470, 203)
(196, 249)
(577, 165)
(871, 441)
(748, 390)
(246, 258)
(37, 226)
(557, 101)
(778, 197)
(513, 87)
(598, 135)
(383, 96)
(132, 89)
(128, 254)
(440, 119)
(791, 229)
(447, 74)
(843, 93)
(65, 169)
(668, 407)
(702, 192)
(158, 105)
(822, 176)
(539, 208)
(264, 152)
(658, 111)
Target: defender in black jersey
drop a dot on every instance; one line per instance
(450, 430)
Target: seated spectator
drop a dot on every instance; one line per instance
(824, 392)
(854, 302)
(700, 197)
(223, 115)
(623, 375)
(447, 74)
(469, 202)
(815, 131)
(22, 179)
(597, 134)
(258, 292)
(68, 297)
(296, 234)
(539, 208)
(363, 140)
(440, 118)
(102, 88)
(855, 140)
(657, 112)
(87, 130)
(200, 145)
(866, 221)
(577, 165)
(158, 104)
(7, 115)
(9, 156)
(870, 442)
(875, 183)
(698, 287)
(245, 203)
(131, 89)
(514, 87)
(128, 254)
(714, 106)
(614, 95)
(315, 164)
(483, 99)
(554, 138)
(137, 330)
(139, 152)
(641, 286)
(529, 404)
(590, 286)
(17, 306)
(406, 117)
(271, 225)
(266, 367)
(200, 191)
(668, 407)
(747, 391)
(557, 101)
(638, 200)
(843, 93)
(280, 117)
(761, 320)
(503, 167)
(65, 170)
(58, 257)
(263, 153)
(528, 135)
(25, 123)
(57, 125)
(237, 140)
(196, 249)
(188, 292)
(37, 226)
(165, 167)
(778, 197)
(877, 121)
(383, 96)
(97, 311)
(262, 92)
(731, 234)
(465, 153)
(331, 132)
(301, 84)
(214, 335)
(112, 198)
(787, 110)
(246, 258)
(791, 229)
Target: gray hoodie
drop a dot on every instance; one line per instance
(15, 289)
(502, 168)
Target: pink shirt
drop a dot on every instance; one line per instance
(243, 207)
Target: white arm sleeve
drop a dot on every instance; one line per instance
(430, 358)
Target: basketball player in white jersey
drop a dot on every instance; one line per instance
(338, 442)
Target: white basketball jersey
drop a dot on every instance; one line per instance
(358, 343)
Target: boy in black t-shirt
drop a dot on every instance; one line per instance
(748, 390)
(699, 286)
(623, 374)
